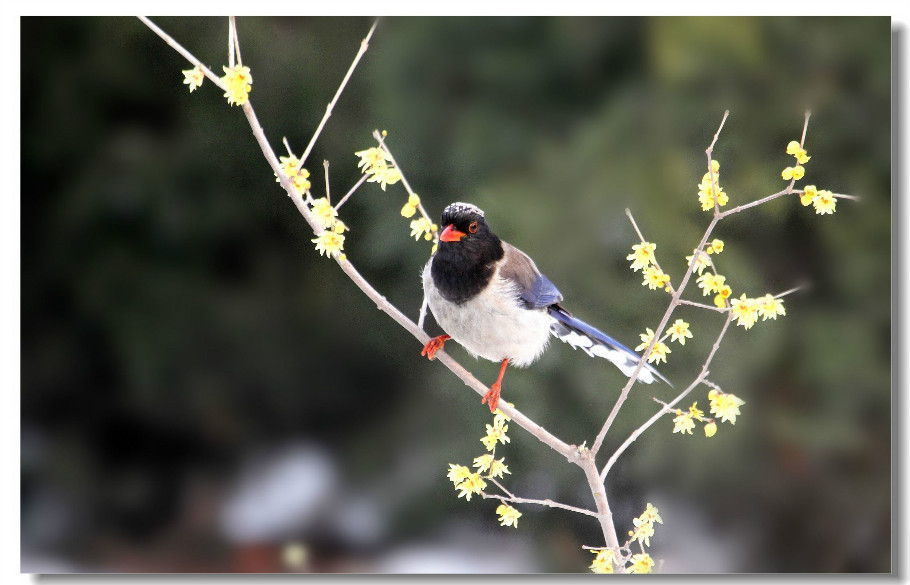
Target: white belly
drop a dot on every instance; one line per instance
(492, 325)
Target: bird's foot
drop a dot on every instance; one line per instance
(434, 345)
(492, 396)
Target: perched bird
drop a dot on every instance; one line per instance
(490, 297)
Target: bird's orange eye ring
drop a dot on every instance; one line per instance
(473, 227)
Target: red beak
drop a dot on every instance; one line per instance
(450, 234)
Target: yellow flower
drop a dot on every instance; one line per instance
(603, 563)
(706, 195)
(508, 516)
(809, 193)
(794, 148)
(716, 247)
(385, 176)
(324, 212)
(770, 308)
(238, 81)
(695, 411)
(659, 353)
(495, 433)
(650, 515)
(683, 423)
(496, 467)
(710, 429)
(641, 563)
(796, 173)
(193, 77)
(724, 405)
(339, 227)
(500, 418)
(473, 484)
(642, 255)
(420, 227)
(643, 531)
(410, 208)
(720, 300)
(300, 181)
(711, 283)
(655, 278)
(328, 243)
(701, 262)
(458, 473)
(372, 160)
(824, 202)
(646, 338)
(679, 331)
(745, 311)
(290, 165)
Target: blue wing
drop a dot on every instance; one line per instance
(595, 342)
(534, 289)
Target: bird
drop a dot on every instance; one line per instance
(491, 298)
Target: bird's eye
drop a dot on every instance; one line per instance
(473, 227)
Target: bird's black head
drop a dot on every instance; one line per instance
(468, 250)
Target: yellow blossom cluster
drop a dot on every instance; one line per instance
(644, 259)
(375, 163)
(603, 562)
(423, 227)
(684, 421)
(795, 173)
(723, 405)
(710, 187)
(468, 482)
(644, 525)
(746, 311)
(606, 558)
(238, 81)
(290, 168)
(678, 331)
(410, 208)
(822, 199)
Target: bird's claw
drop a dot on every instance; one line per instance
(434, 345)
(492, 396)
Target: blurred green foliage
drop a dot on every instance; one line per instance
(171, 294)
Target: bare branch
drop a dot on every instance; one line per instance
(364, 44)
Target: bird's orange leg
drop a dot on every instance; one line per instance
(496, 388)
(434, 345)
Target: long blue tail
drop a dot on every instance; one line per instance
(594, 342)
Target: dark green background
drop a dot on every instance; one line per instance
(177, 322)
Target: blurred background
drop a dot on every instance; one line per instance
(202, 392)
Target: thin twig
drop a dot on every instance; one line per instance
(351, 192)
(404, 181)
(710, 154)
(364, 44)
(634, 225)
(328, 195)
(232, 45)
(703, 306)
(548, 503)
